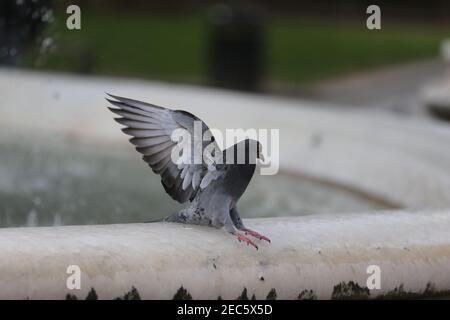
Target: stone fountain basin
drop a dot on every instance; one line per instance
(373, 160)
(316, 255)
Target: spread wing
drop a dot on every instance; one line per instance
(152, 127)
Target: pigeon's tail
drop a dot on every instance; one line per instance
(174, 217)
(190, 215)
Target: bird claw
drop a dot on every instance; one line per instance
(256, 235)
(241, 237)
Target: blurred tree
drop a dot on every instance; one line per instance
(21, 22)
(236, 47)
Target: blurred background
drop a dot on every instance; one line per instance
(316, 50)
(282, 47)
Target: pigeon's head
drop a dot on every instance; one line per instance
(259, 153)
(252, 149)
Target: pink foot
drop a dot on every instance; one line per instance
(256, 235)
(241, 237)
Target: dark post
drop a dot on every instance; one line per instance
(236, 47)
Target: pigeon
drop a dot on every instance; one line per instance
(211, 186)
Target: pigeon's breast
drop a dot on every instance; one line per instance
(236, 180)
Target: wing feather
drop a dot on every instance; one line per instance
(165, 147)
(134, 116)
(151, 127)
(137, 124)
(156, 158)
(147, 142)
(139, 133)
(157, 167)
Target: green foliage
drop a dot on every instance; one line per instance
(70, 296)
(182, 294)
(350, 291)
(307, 295)
(174, 46)
(272, 295)
(92, 295)
(133, 294)
(243, 295)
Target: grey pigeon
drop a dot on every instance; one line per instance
(212, 189)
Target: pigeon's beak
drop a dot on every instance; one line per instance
(261, 157)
